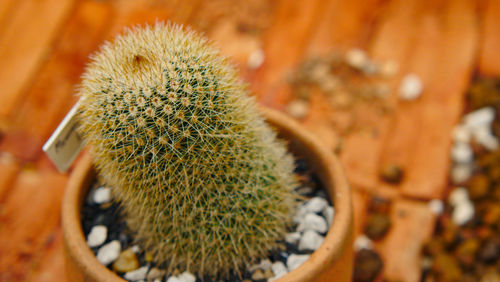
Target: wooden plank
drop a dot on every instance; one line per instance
(6, 10)
(393, 39)
(51, 95)
(284, 45)
(51, 267)
(344, 25)
(489, 57)
(450, 72)
(412, 226)
(8, 173)
(24, 45)
(30, 215)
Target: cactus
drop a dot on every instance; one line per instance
(202, 180)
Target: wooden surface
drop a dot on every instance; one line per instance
(44, 46)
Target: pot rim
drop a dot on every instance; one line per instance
(326, 164)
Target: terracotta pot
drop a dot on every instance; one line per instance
(331, 262)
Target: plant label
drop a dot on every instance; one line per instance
(65, 143)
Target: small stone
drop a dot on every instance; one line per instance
(461, 173)
(315, 205)
(367, 265)
(258, 275)
(102, 195)
(479, 118)
(313, 222)
(466, 251)
(462, 213)
(126, 262)
(356, 58)
(411, 87)
(457, 196)
(279, 269)
(292, 238)
(268, 273)
(391, 173)
(433, 247)
(135, 249)
(186, 277)
(262, 265)
(295, 261)
(155, 273)
(305, 190)
(478, 187)
(485, 137)
(462, 153)
(461, 134)
(363, 242)
(446, 267)
(138, 274)
(298, 108)
(377, 226)
(389, 68)
(328, 213)
(310, 241)
(256, 59)
(97, 236)
(109, 252)
(490, 251)
(436, 206)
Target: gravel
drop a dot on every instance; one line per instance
(108, 236)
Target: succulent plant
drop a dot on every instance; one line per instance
(203, 181)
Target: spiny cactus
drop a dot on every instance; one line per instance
(203, 181)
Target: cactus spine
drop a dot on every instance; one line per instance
(203, 181)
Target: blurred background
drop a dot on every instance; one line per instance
(383, 83)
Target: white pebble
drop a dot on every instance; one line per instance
(462, 153)
(479, 118)
(328, 213)
(263, 265)
(460, 173)
(135, 249)
(256, 59)
(458, 196)
(356, 58)
(485, 137)
(315, 205)
(461, 134)
(97, 236)
(313, 222)
(186, 277)
(102, 195)
(298, 108)
(109, 252)
(299, 214)
(389, 68)
(279, 269)
(155, 273)
(462, 213)
(436, 206)
(310, 241)
(363, 242)
(295, 261)
(411, 87)
(292, 238)
(138, 274)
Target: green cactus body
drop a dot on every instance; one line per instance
(203, 181)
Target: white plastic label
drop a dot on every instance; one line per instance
(65, 143)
